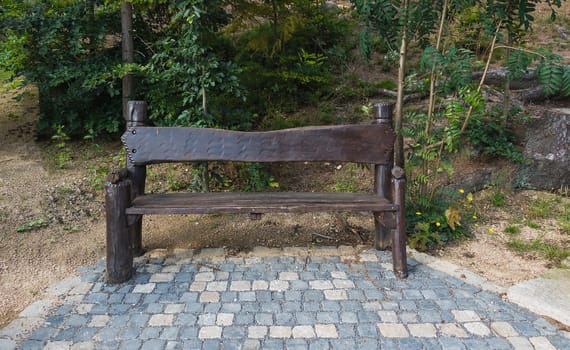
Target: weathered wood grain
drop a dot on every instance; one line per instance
(347, 143)
(259, 203)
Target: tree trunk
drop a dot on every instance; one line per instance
(398, 115)
(127, 52)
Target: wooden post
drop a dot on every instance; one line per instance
(136, 116)
(399, 258)
(119, 250)
(383, 221)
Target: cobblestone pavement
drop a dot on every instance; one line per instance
(293, 299)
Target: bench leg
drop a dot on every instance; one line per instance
(119, 245)
(399, 257)
(137, 174)
(135, 231)
(382, 237)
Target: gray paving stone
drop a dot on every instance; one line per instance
(130, 344)
(319, 344)
(8, 344)
(150, 333)
(32, 345)
(311, 306)
(296, 344)
(169, 333)
(367, 330)
(346, 330)
(154, 344)
(234, 332)
(451, 344)
(327, 317)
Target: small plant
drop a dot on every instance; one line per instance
(540, 208)
(441, 222)
(498, 197)
(64, 152)
(98, 176)
(32, 225)
(258, 178)
(346, 180)
(564, 219)
(533, 224)
(549, 251)
(513, 230)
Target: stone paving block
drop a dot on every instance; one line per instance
(280, 331)
(465, 315)
(326, 331)
(393, 330)
(451, 330)
(162, 277)
(335, 294)
(57, 345)
(423, 330)
(174, 308)
(278, 285)
(260, 285)
(161, 320)
(520, 343)
(153, 344)
(37, 309)
(210, 332)
(83, 346)
(217, 286)
(367, 330)
(144, 288)
(288, 276)
(321, 284)
(388, 316)
(331, 305)
(234, 332)
(209, 297)
(305, 332)
(477, 328)
(343, 283)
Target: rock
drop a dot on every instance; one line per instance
(547, 147)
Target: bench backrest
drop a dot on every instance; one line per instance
(346, 143)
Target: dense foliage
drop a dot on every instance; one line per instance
(196, 61)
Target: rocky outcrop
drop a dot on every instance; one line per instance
(547, 147)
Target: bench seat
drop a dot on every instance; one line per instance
(256, 203)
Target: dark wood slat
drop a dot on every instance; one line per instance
(346, 143)
(234, 203)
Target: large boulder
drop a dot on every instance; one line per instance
(547, 147)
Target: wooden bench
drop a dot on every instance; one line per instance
(126, 201)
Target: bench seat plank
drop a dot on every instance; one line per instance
(259, 203)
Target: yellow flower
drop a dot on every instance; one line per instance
(491, 230)
(470, 197)
(476, 225)
(461, 190)
(418, 213)
(474, 217)
(438, 224)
